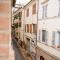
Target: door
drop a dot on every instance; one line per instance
(28, 44)
(42, 58)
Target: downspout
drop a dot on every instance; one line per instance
(37, 28)
(23, 23)
(18, 28)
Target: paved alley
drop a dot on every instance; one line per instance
(15, 53)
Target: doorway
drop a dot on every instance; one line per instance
(28, 44)
(42, 58)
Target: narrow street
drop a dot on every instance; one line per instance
(17, 52)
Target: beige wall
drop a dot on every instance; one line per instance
(5, 29)
(20, 29)
(46, 55)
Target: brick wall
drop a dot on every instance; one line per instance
(5, 29)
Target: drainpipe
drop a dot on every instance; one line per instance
(37, 29)
(18, 28)
(23, 23)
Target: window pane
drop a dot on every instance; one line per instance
(34, 28)
(19, 24)
(44, 15)
(39, 35)
(30, 28)
(27, 13)
(44, 33)
(27, 27)
(20, 15)
(53, 41)
(59, 38)
(46, 10)
(43, 12)
(34, 9)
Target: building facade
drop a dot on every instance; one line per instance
(5, 29)
(27, 32)
(40, 23)
(48, 36)
(18, 20)
(30, 23)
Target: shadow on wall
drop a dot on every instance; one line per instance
(18, 55)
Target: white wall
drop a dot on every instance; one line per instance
(31, 18)
(51, 23)
(52, 8)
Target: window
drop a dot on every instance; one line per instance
(27, 13)
(59, 37)
(59, 9)
(27, 27)
(39, 35)
(33, 43)
(44, 15)
(53, 41)
(30, 28)
(19, 24)
(44, 36)
(16, 25)
(20, 15)
(34, 28)
(42, 58)
(19, 35)
(15, 17)
(34, 9)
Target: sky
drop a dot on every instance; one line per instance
(22, 1)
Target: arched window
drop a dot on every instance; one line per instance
(42, 58)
